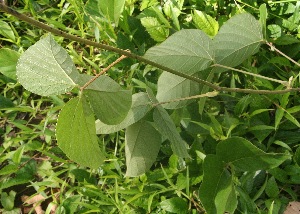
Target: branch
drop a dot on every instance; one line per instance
(45, 27)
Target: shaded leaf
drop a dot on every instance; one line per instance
(141, 105)
(46, 69)
(109, 101)
(217, 187)
(246, 156)
(141, 148)
(76, 133)
(175, 205)
(167, 128)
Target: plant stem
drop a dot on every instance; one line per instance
(134, 56)
(281, 53)
(102, 72)
(285, 83)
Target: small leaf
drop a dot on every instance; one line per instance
(205, 22)
(8, 62)
(157, 30)
(263, 19)
(112, 9)
(175, 205)
(46, 69)
(167, 128)
(141, 148)
(7, 200)
(239, 38)
(110, 102)
(141, 105)
(246, 156)
(6, 31)
(272, 189)
(186, 51)
(76, 133)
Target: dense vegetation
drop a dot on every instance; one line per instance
(171, 106)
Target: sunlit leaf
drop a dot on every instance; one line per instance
(46, 68)
(8, 62)
(205, 23)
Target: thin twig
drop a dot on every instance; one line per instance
(281, 53)
(137, 57)
(208, 94)
(102, 72)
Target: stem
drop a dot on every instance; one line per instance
(102, 72)
(285, 83)
(208, 94)
(134, 56)
(281, 53)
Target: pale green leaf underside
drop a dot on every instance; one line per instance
(141, 148)
(141, 105)
(76, 133)
(109, 101)
(187, 51)
(46, 69)
(170, 87)
(167, 128)
(239, 38)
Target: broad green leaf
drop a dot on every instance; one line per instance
(76, 133)
(272, 189)
(246, 156)
(5, 102)
(239, 38)
(217, 186)
(109, 101)
(167, 128)
(170, 87)
(205, 22)
(6, 31)
(8, 62)
(47, 69)
(141, 105)
(141, 147)
(186, 51)
(175, 205)
(157, 30)
(112, 9)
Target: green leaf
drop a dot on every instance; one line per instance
(141, 105)
(272, 189)
(157, 30)
(5, 102)
(263, 19)
(112, 9)
(76, 133)
(239, 38)
(245, 152)
(141, 148)
(109, 101)
(175, 205)
(187, 51)
(47, 69)
(167, 128)
(7, 200)
(170, 87)
(217, 193)
(6, 31)
(8, 62)
(205, 22)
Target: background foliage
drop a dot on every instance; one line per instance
(265, 127)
